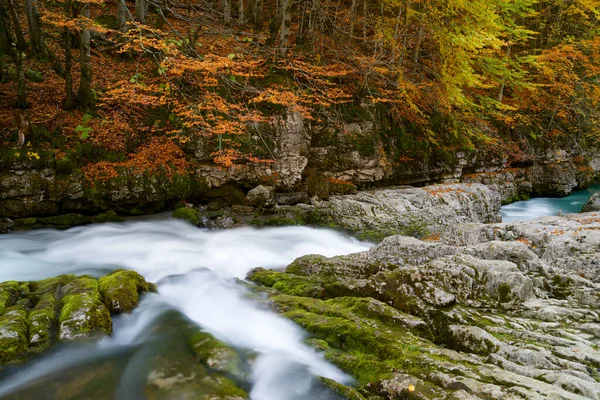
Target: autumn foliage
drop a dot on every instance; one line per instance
(207, 78)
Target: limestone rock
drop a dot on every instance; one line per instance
(593, 203)
(262, 197)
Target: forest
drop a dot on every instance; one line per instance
(121, 83)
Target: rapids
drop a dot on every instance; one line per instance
(198, 273)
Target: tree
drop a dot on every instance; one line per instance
(38, 44)
(140, 11)
(84, 94)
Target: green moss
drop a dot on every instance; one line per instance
(287, 283)
(65, 221)
(187, 214)
(341, 390)
(216, 355)
(41, 322)
(504, 291)
(120, 290)
(109, 216)
(8, 294)
(13, 334)
(64, 165)
(83, 314)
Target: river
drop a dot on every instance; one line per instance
(546, 206)
(198, 274)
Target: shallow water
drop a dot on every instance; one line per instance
(546, 206)
(197, 273)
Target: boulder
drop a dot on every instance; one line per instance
(261, 197)
(593, 203)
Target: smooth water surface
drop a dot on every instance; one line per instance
(546, 206)
(197, 272)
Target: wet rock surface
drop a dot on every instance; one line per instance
(35, 315)
(498, 311)
(593, 203)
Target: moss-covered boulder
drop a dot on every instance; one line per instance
(83, 314)
(121, 290)
(109, 216)
(187, 214)
(13, 334)
(36, 315)
(64, 221)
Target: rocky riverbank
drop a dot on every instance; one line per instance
(498, 311)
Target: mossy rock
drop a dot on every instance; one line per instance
(33, 75)
(41, 320)
(121, 289)
(216, 355)
(13, 334)
(8, 294)
(187, 214)
(83, 313)
(343, 391)
(341, 187)
(109, 216)
(317, 185)
(64, 221)
(64, 165)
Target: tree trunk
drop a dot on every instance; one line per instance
(84, 95)
(22, 126)
(140, 11)
(69, 102)
(503, 84)
(21, 97)
(286, 24)
(35, 30)
(122, 12)
(241, 17)
(226, 11)
(16, 53)
(21, 43)
(255, 11)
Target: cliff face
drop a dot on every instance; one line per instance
(361, 151)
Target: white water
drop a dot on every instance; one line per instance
(196, 272)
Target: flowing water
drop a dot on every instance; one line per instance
(197, 272)
(546, 206)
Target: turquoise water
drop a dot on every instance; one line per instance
(545, 206)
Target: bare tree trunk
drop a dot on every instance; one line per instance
(140, 11)
(353, 9)
(21, 97)
(84, 95)
(69, 102)
(35, 30)
(226, 10)
(286, 24)
(122, 12)
(503, 84)
(365, 20)
(21, 43)
(420, 36)
(16, 53)
(241, 17)
(22, 126)
(255, 12)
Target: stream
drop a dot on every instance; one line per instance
(198, 274)
(547, 206)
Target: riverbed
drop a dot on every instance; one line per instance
(199, 274)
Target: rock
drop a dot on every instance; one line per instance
(109, 216)
(36, 315)
(242, 209)
(121, 290)
(593, 203)
(187, 214)
(261, 197)
(418, 212)
(34, 76)
(292, 198)
(83, 314)
(517, 302)
(64, 221)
